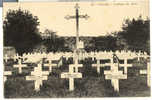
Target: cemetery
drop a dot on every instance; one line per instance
(75, 72)
(77, 77)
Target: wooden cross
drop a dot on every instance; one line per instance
(6, 58)
(138, 55)
(38, 76)
(44, 55)
(16, 57)
(71, 75)
(24, 57)
(50, 65)
(114, 75)
(98, 65)
(67, 55)
(125, 65)
(76, 64)
(6, 73)
(77, 16)
(148, 72)
(92, 55)
(20, 65)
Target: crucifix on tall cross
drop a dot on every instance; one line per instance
(77, 16)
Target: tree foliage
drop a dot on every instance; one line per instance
(54, 43)
(135, 36)
(136, 33)
(21, 30)
(105, 43)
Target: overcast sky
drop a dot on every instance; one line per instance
(103, 18)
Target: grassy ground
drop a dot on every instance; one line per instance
(91, 85)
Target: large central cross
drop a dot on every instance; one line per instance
(77, 16)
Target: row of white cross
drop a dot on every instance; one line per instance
(98, 55)
(114, 74)
(20, 65)
(33, 57)
(99, 65)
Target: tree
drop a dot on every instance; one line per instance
(107, 43)
(53, 42)
(121, 42)
(21, 30)
(136, 33)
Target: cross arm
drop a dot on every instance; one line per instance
(71, 75)
(48, 65)
(108, 76)
(69, 17)
(84, 16)
(73, 17)
(7, 73)
(143, 72)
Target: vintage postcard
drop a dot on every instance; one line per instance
(76, 49)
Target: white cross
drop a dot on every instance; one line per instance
(6, 58)
(76, 64)
(24, 57)
(6, 73)
(98, 65)
(16, 57)
(138, 55)
(50, 65)
(68, 55)
(38, 76)
(92, 55)
(20, 65)
(71, 75)
(114, 75)
(125, 65)
(148, 72)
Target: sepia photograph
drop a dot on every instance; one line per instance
(76, 49)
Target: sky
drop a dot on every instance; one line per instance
(104, 17)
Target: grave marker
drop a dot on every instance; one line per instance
(98, 65)
(6, 58)
(71, 75)
(148, 72)
(6, 73)
(114, 75)
(50, 65)
(125, 65)
(38, 76)
(24, 57)
(76, 64)
(16, 57)
(20, 65)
